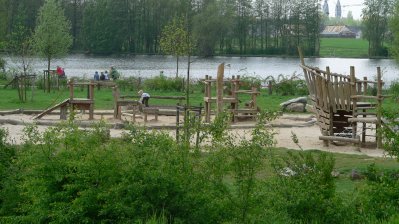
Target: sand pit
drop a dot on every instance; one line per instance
(302, 125)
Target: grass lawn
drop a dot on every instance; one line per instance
(104, 99)
(343, 47)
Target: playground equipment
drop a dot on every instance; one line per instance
(131, 102)
(119, 103)
(74, 103)
(344, 106)
(251, 109)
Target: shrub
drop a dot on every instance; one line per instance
(380, 197)
(394, 90)
(2, 64)
(304, 188)
(130, 83)
(390, 132)
(164, 83)
(285, 85)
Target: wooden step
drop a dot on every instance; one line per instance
(363, 119)
(341, 139)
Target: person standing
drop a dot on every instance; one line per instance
(106, 76)
(96, 76)
(114, 73)
(144, 98)
(102, 76)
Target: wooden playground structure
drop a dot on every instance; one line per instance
(231, 99)
(347, 109)
(135, 107)
(74, 103)
(130, 106)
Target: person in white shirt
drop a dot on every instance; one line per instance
(144, 97)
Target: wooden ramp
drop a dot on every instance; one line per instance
(63, 103)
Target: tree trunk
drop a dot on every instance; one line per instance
(177, 66)
(48, 74)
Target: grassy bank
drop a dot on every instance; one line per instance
(343, 47)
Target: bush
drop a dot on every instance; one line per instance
(164, 83)
(394, 90)
(3, 64)
(285, 85)
(130, 83)
(305, 189)
(380, 197)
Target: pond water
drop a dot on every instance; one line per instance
(80, 65)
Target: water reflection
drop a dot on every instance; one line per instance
(146, 66)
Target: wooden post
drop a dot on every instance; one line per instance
(115, 93)
(354, 100)
(219, 89)
(71, 82)
(379, 103)
(330, 131)
(63, 112)
(364, 124)
(253, 96)
(91, 97)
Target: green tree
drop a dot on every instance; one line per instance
(394, 27)
(20, 39)
(175, 40)
(375, 16)
(51, 37)
(208, 29)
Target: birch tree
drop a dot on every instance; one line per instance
(51, 37)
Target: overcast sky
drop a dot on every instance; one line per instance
(346, 5)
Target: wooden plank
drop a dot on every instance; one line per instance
(51, 109)
(341, 139)
(219, 89)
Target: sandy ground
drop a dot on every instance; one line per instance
(301, 125)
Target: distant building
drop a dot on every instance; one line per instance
(338, 31)
(338, 10)
(326, 11)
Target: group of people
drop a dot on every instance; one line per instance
(104, 76)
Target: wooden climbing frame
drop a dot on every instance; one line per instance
(342, 102)
(230, 99)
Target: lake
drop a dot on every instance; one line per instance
(147, 66)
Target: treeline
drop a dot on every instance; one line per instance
(215, 26)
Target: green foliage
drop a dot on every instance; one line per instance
(130, 83)
(394, 27)
(375, 16)
(51, 20)
(305, 188)
(290, 85)
(51, 38)
(209, 26)
(2, 64)
(69, 175)
(380, 195)
(390, 131)
(164, 83)
(175, 39)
